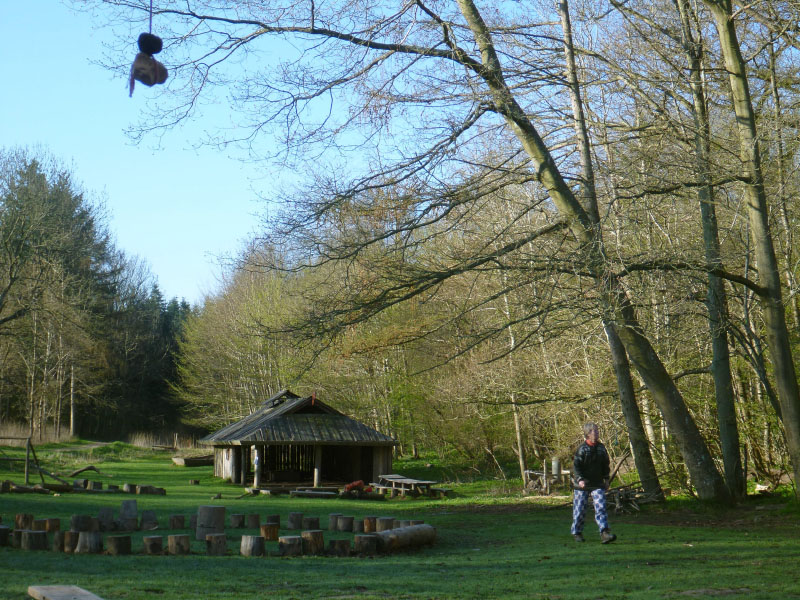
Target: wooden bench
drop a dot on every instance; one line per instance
(60, 592)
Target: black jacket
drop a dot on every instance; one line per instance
(591, 464)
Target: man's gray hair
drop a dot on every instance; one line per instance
(588, 428)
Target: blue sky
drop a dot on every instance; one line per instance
(175, 207)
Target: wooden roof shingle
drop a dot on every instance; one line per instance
(289, 419)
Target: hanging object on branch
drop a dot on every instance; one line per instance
(145, 68)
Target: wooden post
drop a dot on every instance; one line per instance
(384, 524)
(89, 542)
(365, 544)
(333, 521)
(310, 522)
(39, 525)
(317, 466)
(269, 532)
(370, 524)
(236, 464)
(119, 545)
(23, 521)
(237, 521)
(179, 544)
(153, 544)
(258, 464)
(295, 520)
(252, 545)
(313, 541)
(290, 545)
(27, 460)
(70, 540)
(345, 523)
(339, 547)
(34, 540)
(210, 519)
(216, 544)
(358, 526)
(177, 521)
(244, 463)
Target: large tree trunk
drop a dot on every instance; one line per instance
(758, 217)
(716, 299)
(642, 457)
(614, 301)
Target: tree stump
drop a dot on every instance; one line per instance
(105, 517)
(89, 542)
(275, 519)
(210, 519)
(403, 523)
(129, 488)
(344, 523)
(339, 547)
(70, 541)
(295, 520)
(194, 482)
(405, 537)
(81, 484)
(358, 526)
(252, 545)
(333, 521)
(119, 545)
(23, 521)
(52, 525)
(313, 541)
(179, 544)
(290, 545)
(253, 521)
(34, 539)
(237, 521)
(129, 509)
(216, 544)
(153, 544)
(384, 524)
(366, 544)
(310, 522)
(128, 524)
(269, 532)
(96, 485)
(58, 541)
(39, 525)
(193, 522)
(177, 521)
(370, 524)
(5, 534)
(149, 521)
(16, 537)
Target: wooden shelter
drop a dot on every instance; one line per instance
(290, 439)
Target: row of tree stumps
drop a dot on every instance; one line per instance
(372, 534)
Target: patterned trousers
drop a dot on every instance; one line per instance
(580, 500)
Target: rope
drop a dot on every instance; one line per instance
(150, 28)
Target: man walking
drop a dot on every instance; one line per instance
(590, 475)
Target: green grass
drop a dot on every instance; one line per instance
(492, 543)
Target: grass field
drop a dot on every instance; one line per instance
(490, 544)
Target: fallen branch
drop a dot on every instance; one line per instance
(89, 468)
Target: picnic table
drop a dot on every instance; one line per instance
(400, 484)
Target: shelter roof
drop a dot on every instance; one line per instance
(286, 418)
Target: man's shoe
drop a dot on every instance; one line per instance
(606, 537)
(579, 537)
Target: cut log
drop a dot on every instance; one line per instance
(81, 523)
(310, 522)
(153, 544)
(70, 541)
(58, 541)
(60, 592)
(216, 544)
(313, 541)
(5, 535)
(276, 519)
(16, 537)
(39, 525)
(210, 519)
(366, 544)
(358, 526)
(105, 517)
(344, 523)
(403, 523)
(179, 544)
(405, 537)
(95, 485)
(253, 521)
(384, 524)
(149, 521)
(129, 488)
(269, 532)
(89, 542)
(370, 524)
(252, 545)
(339, 547)
(237, 521)
(177, 521)
(129, 509)
(53, 525)
(23, 521)
(295, 520)
(290, 545)
(34, 540)
(118, 545)
(333, 521)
